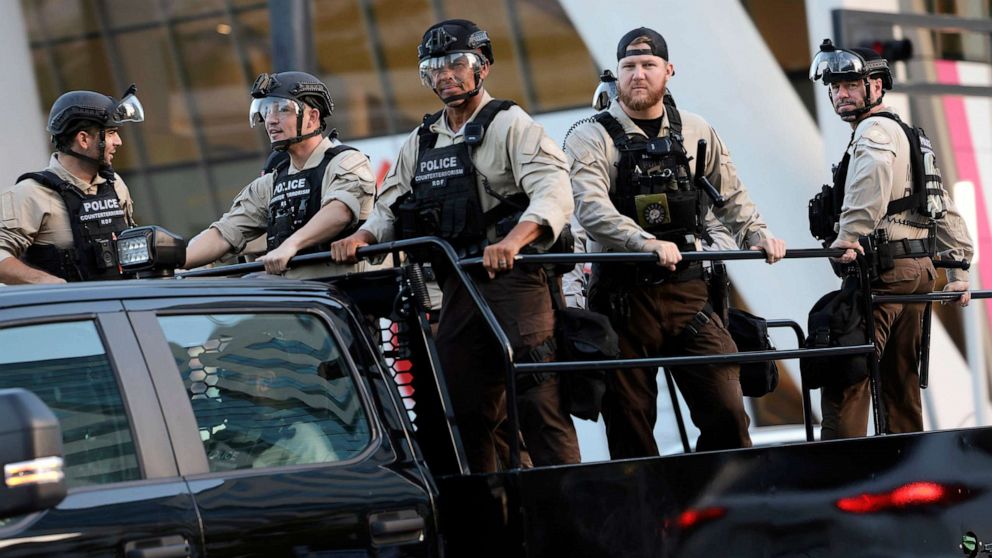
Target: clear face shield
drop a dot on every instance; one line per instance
(836, 65)
(262, 108)
(129, 109)
(460, 64)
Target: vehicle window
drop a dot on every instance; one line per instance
(66, 365)
(267, 389)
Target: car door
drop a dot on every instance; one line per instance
(125, 496)
(277, 432)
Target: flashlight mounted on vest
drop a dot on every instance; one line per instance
(150, 251)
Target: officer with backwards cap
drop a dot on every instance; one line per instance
(61, 224)
(484, 176)
(323, 190)
(891, 191)
(635, 192)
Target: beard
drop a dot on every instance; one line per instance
(849, 112)
(644, 99)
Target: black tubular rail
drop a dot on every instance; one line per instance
(513, 369)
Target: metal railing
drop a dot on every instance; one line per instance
(513, 369)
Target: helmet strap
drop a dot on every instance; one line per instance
(283, 145)
(463, 96)
(855, 114)
(99, 160)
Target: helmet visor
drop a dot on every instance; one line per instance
(129, 110)
(458, 63)
(262, 108)
(836, 65)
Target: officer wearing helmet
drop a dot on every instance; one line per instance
(61, 224)
(887, 188)
(635, 192)
(483, 175)
(321, 191)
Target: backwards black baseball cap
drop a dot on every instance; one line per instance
(658, 45)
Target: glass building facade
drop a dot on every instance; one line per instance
(195, 60)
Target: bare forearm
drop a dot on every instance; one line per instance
(206, 247)
(16, 272)
(325, 225)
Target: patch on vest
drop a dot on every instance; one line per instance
(652, 210)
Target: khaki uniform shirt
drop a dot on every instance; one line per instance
(348, 179)
(35, 214)
(878, 173)
(593, 171)
(516, 156)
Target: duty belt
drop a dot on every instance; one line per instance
(906, 248)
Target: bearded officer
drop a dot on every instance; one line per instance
(634, 192)
(322, 191)
(877, 177)
(484, 176)
(61, 224)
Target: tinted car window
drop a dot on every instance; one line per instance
(267, 389)
(66, 365)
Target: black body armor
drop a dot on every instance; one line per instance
(444, 200)
(95, 220)
(655, 184)
(926, 199)
(296, 199)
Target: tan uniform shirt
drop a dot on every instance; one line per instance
(878, 173)
(516, 156)
(593, 171)
(35, 214)
(348, 179)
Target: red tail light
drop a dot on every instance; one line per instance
(905, 496)
(692, 517)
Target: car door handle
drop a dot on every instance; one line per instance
(397, 527)
(174, 546)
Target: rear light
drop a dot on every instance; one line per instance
(906, 496)
(693, 517)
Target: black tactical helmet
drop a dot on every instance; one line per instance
(833, 64)
(875, 65)
(454, 35)
(78, 109)
(298, 86)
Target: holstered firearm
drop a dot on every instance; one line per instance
(719, 290)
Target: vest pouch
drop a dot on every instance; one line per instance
(683, 206)
(280, 228)
(821, 215)
(406, 223)
(934, 207)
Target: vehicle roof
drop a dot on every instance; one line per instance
(27, 295)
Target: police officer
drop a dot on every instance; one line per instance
(878, 195)
(60, 224)
(483, 175)
(320, 192)
(634, 192)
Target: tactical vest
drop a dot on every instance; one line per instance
(444, 198)
(654, 185)
(296, 199)
(95, 222)
(926, 199)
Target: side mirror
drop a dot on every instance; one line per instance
(30, 454)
